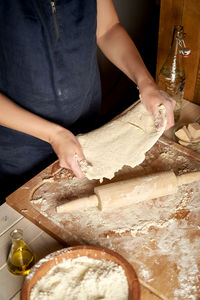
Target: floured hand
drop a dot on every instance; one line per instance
(68, 150)
(153, 97)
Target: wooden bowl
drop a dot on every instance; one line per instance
(94, 252)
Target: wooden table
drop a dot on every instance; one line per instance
(42, 243)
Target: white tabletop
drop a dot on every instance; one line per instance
(40, 242)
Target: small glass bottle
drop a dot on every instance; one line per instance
(172, 75)
(20, 259)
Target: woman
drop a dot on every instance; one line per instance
(49, 80)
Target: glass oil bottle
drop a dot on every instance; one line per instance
(20, 259)
(172, 74)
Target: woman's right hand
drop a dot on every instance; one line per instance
(68, 149)
(64, 143)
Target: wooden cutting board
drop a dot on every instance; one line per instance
(160, 238)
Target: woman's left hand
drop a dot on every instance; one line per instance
(153, 97)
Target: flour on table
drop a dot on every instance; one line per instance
(123, 141)
(82, 278)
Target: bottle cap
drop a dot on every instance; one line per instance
(185, 52)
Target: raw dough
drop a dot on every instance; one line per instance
(188, 134)
(123, 141)
(183, 134)
(194, 129)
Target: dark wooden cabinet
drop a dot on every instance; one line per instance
(186, 13)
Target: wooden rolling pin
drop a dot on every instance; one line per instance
(123, 193)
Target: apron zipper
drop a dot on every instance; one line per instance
(53, 6)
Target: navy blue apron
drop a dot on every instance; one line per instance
(48, 65)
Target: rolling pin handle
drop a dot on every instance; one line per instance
(78, 204)
(188, 178)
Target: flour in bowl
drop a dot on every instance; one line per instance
(82, 278)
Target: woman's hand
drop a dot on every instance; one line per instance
(152, 97)
(64, 143)
(68, 149)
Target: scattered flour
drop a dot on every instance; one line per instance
(161, 234)
(188, 271)
(82, 278)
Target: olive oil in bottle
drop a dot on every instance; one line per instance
(20, 259)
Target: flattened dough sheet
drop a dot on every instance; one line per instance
(120, 142)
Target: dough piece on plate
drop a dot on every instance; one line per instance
(120, 142)
(183, 134)
(194, 129)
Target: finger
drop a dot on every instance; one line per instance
(170, 121)
(169, 114)
(75, 167)
(79, 152)
(158, 119)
